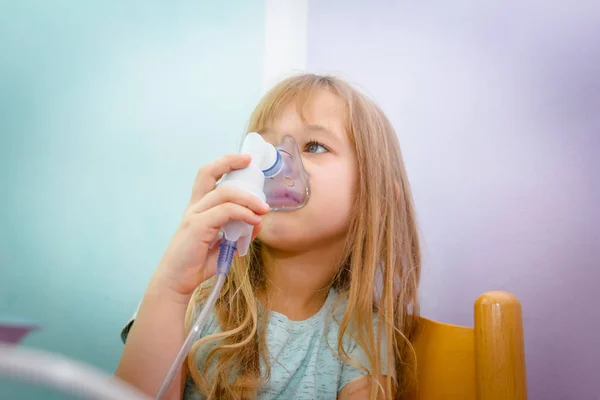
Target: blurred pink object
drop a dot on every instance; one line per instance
(13, 330)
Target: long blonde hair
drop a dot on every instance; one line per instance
(379, 273)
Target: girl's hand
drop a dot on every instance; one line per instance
(191, 257)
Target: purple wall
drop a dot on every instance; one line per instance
(497, 108)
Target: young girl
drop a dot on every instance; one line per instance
(324, 304)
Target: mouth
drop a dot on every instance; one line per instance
(284, 198)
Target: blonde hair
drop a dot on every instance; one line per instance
(379, 273)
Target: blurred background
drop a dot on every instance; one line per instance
(108, 108)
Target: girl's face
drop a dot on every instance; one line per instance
(329, 158)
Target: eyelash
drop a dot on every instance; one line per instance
(312, 142)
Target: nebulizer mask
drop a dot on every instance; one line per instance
(275, 175)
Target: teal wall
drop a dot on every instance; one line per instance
(107, 109)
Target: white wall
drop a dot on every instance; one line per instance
(497, 112)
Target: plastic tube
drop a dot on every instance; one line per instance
(70, 377)
(226, 251)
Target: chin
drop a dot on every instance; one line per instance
(284, 233)
(295, 231)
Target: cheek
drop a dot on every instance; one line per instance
(333, 189)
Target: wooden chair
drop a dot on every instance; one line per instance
(486, 362)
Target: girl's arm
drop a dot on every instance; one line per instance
(154, 341)
(190, 259)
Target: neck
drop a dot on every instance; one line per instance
(297, 283)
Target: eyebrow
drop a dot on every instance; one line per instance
(321, 128)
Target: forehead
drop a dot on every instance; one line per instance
(320, 108)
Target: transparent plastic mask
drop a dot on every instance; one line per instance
(289, 189)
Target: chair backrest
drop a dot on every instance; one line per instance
(486, 362)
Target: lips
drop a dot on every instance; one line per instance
(284, 198)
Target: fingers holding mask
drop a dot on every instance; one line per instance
(215, 207)
(216, 217)
(227, 194)
(209, 174)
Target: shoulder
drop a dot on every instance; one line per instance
(357, 363)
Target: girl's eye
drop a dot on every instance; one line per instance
(315, 147)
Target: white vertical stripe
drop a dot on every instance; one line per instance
(285, 39)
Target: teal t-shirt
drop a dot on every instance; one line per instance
(303, 355)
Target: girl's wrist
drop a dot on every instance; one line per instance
(164, 288)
